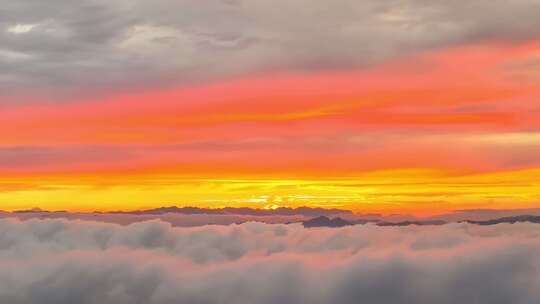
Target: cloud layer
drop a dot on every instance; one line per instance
(63, 46)
(56, 261)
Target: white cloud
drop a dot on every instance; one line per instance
(82, 262)
(20, 28)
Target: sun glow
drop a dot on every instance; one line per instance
(271, 207)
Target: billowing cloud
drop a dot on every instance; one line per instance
(62, 46)
(55, 261)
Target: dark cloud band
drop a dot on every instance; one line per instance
(66, 47)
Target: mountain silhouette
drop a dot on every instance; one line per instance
(324, 221)
(283, 211)
(510, 220)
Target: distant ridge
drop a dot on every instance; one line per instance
(33, 210)
(284, 211)
(323, 221)
(509, 220)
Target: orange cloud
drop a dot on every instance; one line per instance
(451, 110)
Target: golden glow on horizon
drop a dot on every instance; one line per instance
(418, 191)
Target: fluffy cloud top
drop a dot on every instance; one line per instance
(55, 261)
(62, 45)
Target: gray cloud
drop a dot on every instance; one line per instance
(62, 47)
(55, 261)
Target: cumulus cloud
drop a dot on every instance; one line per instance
(69, 46)
(56, 261)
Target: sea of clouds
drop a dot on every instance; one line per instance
(71, 261)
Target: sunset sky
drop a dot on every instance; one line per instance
(374, 106)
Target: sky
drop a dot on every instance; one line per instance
(409, 106)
